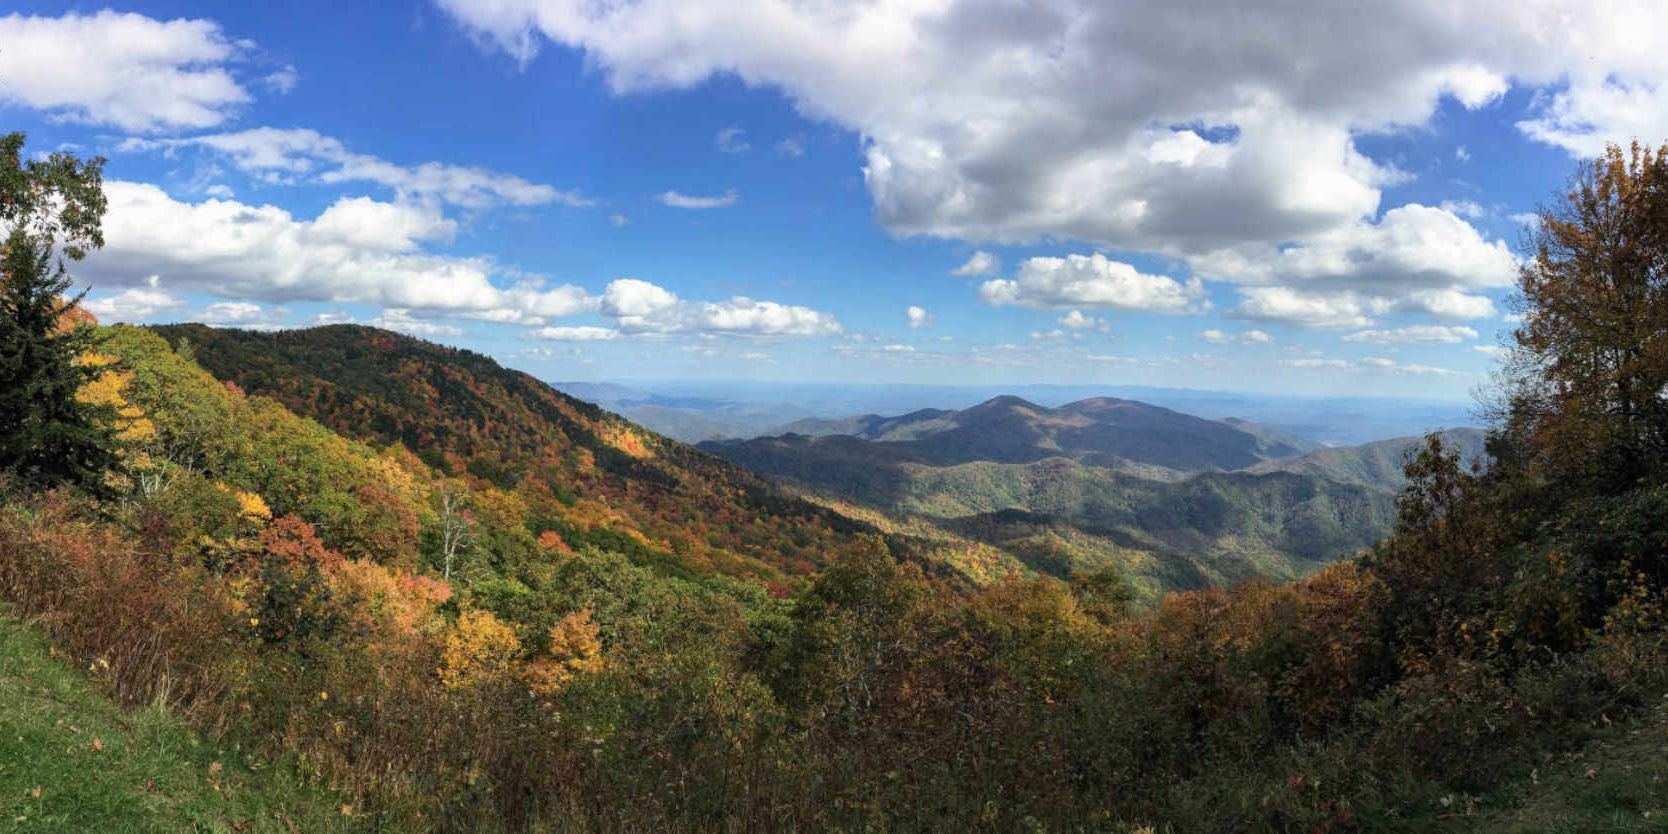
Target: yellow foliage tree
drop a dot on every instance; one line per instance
(575, 649)
(479, 649)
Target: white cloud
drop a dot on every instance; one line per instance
(575, 334)
(685, 201)
(1075, 320)
(991, 122)
(1426, 333)
(981, 263)
(1463, 208)
(125, 70)
(240, 314)
(1313, 362)
(356, 251)
(1412, 247)
(1093, 281)
(282, 81)
(918, 317)
(732, 140)
(1286, 306)
(642, 307)
(619, 220)
(1491, 350)
(135, 304)
(1232, 132)
(1461, 154)
(276, 155)
(1449, 304)
(790, 147)
(1249, 337)
(1370, 363)
(404, 322)
(631, 298)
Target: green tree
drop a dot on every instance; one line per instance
(50, 211)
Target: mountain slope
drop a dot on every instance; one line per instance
(1060, 516)
(1100, 431)
(1378, 464)
(595, 474)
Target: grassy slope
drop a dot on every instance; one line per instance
(70, 760)
(1615, 784)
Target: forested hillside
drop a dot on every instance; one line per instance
(573, 470)
(1059, 516)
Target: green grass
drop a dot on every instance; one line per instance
(72, 761)
(1616, 784)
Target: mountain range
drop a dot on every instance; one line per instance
(1172, 500)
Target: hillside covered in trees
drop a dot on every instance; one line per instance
(456, 601)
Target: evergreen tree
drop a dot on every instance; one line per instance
(49, 211)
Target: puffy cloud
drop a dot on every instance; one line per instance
(732, 140)
(1228, 124)
(1427, 333)
(575, 334)
(685, 201)
(1287, 306)
(240, 314)
(918, 317)
(404, 322)
(1075, 320)
(356, 251)
(287, 155)
(790, 147)
(1092, 281)
(1449, 304)
(1416, 256)
(642, 307)
(1231, 140)
(632, 299)
(135, 304)
(1256, 337)
(982, 263)
(126, 70)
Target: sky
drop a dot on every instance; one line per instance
(1299, 197)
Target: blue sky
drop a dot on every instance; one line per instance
(765, 189)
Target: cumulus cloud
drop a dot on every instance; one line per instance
(1092, 281)
(1427, 333)
(685, 201)
(125, 70)
(1075, 320)
(356, 251)
(641, 307)
(1231, 140)
(575, 334)
(918, 317)
(135, 304)
(276, 155)
(981, 263)
(1286, 306)
(1416, 258)
(995, 122)
(790, 147)
(243, 314)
